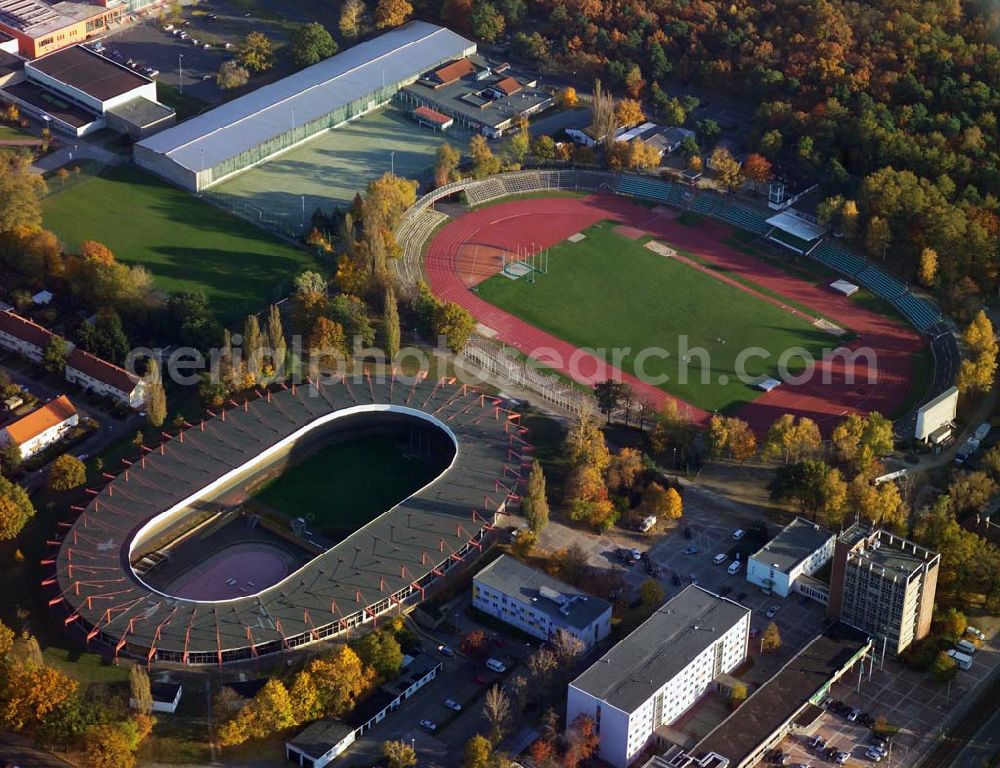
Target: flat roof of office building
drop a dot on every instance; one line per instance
(783, 696)
(887, 551)
(565, 604)
(797, 541)
(254, 119)
(50, 103)
(659, 648)
(35, 18)
(89, 72)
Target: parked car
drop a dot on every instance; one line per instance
(873, 755)
(734, 567)
(636, 554)
(691, 551)
(852, 716)
(446, 650)
(428, 725)
(738, 534)
(720, 558)
(842, 758)
(772, 611)
(453, 705)
(975, 633)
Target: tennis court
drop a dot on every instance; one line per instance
(330, 169)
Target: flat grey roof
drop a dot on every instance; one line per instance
(785, 695)
(797, 541)
(142, 112)
(513, 578)
(890, 553)
(660, 647)
(320, 737)
(89, 72)
(257, 117)
(35, 18)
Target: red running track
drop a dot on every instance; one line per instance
(466, 251)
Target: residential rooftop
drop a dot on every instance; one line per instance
(320, 737)
(563, 603)
(659, 648)
(797, 541)
(89, 72)
(38, 421)
(783, 696)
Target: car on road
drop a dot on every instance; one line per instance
(496, 665)
(446, 650)
(734, 567)
(428, 725)
(636, 554)
(772, 611)
(720, 558)
(453, 705)
(691, 550)
(738, 534)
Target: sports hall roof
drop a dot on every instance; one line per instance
(253, 119)
(421, 536)
(87, 71)
(796, 226)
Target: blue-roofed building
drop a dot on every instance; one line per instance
(247, 131)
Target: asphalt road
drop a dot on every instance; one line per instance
(983, 746)
(25, 756)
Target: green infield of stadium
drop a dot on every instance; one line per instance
(186, 244)
(346, 485)
(593, 298)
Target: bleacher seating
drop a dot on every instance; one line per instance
(920, 312)
(484, 191)
(840, 260)
(881, 283)
(745, 218)
(650, 189)
(522, 183)
(412, 235)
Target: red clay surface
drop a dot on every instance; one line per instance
(467, 251)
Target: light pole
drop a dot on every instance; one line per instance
(303, 211)
(180, 72)
(293, 125)
(392, 161)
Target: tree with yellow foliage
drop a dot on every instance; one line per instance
(585, 445)
(729, 173)
(391, 13)
(340, 681)
(568, 97)
(30, 693)
(628, 112)
(928, 269)
(979, 369)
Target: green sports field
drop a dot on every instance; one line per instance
(184, 242)
(343, 486)
(609, 292)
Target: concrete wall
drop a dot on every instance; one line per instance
(163, 166)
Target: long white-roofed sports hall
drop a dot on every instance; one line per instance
(253, 128)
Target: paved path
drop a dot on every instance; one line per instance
(70, 153)
(984, 745)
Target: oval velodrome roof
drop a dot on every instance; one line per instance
(386, 562)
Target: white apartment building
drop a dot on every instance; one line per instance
(106, 379)
(538, 604)
(42, 427)
(658, 672)
(801, 549)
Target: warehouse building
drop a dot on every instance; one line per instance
(78, 91)
(884, 585)
(659, 671)
(538, 604)
(801, 549)
(254, 128)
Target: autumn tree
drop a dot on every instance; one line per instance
(484, 162)
(737, 695)
(582, 741)
(352, 14)
(454, 324)
(21, 192)
(478, 752)
(970, 492)
(652, 594)
(585, 445)
(140, 694)
(953, 623)
(731, 436)
(108, 746)
(944, 668)
(497, 712)
(255, 52)
(66, 472)
(390, 324)
(568, 97)
(327, 341)
(15, 509)
(978, 369)
(624, 471)
(156, 396)
(277, 346)
(475, 645)
(603, 119)
(771, 639)
(628, 112)
(927, 270)
(487, 22)
(814, 486)
(398, 754)
(729, 172)
(535, 504)
(446, 165)
(792, 439)
(340, 681)
(878, 237)
(391, 13)
(231, 75)
(757, 169)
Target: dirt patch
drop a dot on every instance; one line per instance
(826, 325)
(664, 250)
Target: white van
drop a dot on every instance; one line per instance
(719, 559)
(963, 661)
(965, 647)
(970, 630)
(734, 567)
(496, 666)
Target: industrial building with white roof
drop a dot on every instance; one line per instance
(253, 128)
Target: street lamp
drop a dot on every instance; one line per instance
(180, 72)
(392, 161)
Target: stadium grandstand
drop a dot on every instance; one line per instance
(99, 584)
(794, 231)
(253, 128)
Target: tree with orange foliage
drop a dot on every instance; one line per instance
(757, 169)
(582, 741)
(391, 13)
(94, 252)
(628, 112)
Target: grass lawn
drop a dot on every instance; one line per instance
(13, 133)
(343, 486)
(609, 292)
(186, 244)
